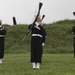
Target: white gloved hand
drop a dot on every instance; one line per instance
(43, 44)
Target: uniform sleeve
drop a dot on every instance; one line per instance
(43, 35)
(3, 32)
(29, 26)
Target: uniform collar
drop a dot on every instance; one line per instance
(37, 24)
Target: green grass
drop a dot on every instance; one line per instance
(52, 64)
(59, 38)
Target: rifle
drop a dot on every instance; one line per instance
(14, 21)
(40, 5)
(74, 13)
(43, 17)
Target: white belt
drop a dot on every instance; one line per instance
(1, 35)
(37, 35)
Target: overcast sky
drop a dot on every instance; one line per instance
(24, 10)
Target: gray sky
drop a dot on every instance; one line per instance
(24, 10)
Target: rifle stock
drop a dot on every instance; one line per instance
(43, 17)
(40, 5)
(74, 13)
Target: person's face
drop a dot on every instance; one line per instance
(39, 20)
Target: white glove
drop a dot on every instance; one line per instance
(43, 44)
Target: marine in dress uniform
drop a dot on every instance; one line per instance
(37, 41)
(2, 38)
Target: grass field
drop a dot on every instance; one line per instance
(52, 64)
(59, 38)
